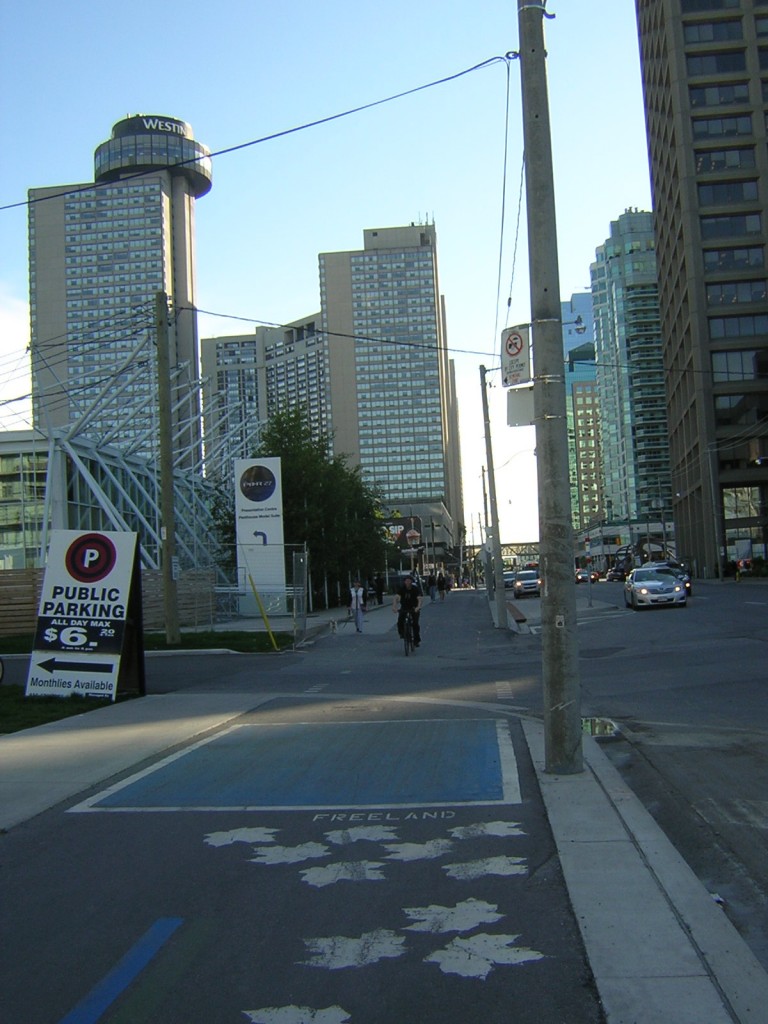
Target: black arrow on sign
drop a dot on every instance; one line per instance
(74, 666)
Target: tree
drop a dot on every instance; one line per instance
(326, 504)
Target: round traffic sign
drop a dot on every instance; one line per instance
(514, 344)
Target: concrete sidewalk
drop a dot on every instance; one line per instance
(662, 951)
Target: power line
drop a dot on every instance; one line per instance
(275, 135)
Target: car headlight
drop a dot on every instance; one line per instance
(643, 590)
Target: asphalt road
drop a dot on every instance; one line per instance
(368, 843)
(688, 690)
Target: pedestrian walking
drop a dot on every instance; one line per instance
(379, 588)
(356, 603)
(432, 587)
(441, 586)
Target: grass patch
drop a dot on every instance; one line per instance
(18, 712)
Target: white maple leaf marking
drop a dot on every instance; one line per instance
(297, 1015)
(290, 854)
(489, 866)
(419, 851)
(462, 918)
(344, 871)
(338, 951)
(374, 833)
(488, 828)
(476, 956)
(242, 835)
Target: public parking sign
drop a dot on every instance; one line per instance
(516, 356)
(90, 581)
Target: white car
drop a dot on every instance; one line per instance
(646, 587)
(527, 582)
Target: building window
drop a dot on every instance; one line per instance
(696, 6)
(724, 192)
(734, 226)
(712, 31)
(732, 292)
(716, 63)
(717, 127)
(734, 259)
(718, 95)
(750, 364)
(738, 326)
(724, 159)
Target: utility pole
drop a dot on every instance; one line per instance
(168, 515)
(560, 662)
(498, 565)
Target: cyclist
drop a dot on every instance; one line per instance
(408, 599)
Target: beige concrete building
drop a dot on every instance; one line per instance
(705, 80)
(372, 370)
(99, 253)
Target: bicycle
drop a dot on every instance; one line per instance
(408, 641)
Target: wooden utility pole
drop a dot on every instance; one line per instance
(498, 565)
(167, 512)
(560, 656)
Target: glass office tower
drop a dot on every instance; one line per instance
(630, 372)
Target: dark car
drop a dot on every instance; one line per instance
(587, 576)
(616, 575)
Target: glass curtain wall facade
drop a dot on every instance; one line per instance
(630, 372)
(705, 81)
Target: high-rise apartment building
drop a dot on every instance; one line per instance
(582, 410)
(248, 378)
(705, 81)
(630, 372)
(392, 386)
(99, 253)
(371, 370)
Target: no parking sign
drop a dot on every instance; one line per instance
(516, 356)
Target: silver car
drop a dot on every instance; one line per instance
(527, 582)
(646, 587)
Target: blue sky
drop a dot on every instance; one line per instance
(240, 71)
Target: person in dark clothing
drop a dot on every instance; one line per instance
(408, 599)
(379, 588)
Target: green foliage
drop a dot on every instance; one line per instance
(326, 504)
(18, 712)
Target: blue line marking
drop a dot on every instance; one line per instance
(105, 992)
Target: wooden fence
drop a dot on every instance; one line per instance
(20, 598)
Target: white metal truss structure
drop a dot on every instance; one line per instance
(96, 482)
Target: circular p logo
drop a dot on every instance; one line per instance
(90, 558)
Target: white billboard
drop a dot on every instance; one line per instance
(259, 527)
